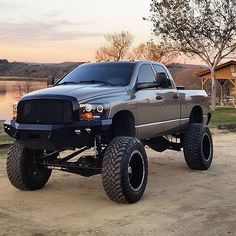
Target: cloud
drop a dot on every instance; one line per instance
(52, 14)
(12, 4)
(43, 31)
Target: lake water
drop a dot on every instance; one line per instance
(10, 91)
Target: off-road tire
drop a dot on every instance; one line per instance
(22, 172)
(125, 169)
(198, 147)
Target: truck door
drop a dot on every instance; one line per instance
(171, 100)
(150, 105)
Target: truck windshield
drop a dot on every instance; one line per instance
(107, 73)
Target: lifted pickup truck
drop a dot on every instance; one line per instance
(114, 108)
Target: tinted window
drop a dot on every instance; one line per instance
(108, 73)
(145, 74)
(162, 77)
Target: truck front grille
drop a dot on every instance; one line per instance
(45, 111)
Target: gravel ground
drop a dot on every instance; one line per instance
(177, 201)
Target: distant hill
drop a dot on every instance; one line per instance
(186, 74)
(183, 74)
(37, 70)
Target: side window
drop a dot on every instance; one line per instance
(146, 74)
(162, 77)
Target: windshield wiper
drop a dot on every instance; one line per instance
(96, 81)
(66, 82)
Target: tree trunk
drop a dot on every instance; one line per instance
(221, 94)
(213, 89)
(222, 82)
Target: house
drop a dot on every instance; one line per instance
(225, 75)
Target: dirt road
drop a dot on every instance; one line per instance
(177, 201)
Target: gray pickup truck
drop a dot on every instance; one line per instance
(115, 109)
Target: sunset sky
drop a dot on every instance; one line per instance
(59, 30)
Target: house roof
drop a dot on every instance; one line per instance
(228, 63)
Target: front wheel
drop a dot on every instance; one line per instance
(125, 169)
(198, 147)
(22, 169)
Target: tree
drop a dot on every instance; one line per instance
(116, 46)
(23, 87)
(154, 52)
(206, 28)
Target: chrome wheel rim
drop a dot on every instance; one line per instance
(136, 171)
(206, 147)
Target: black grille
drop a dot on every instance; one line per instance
(45, 111)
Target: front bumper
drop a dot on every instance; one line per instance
(56, 137)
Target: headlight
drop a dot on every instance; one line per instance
(100, 108)
(94, 111)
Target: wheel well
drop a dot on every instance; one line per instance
(196, 115)
(123, 124)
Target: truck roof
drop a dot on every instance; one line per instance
(124, 61)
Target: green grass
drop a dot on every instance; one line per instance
(3, 152)
(5, 139)
(1, 127)
(223, 116)
(3, 136)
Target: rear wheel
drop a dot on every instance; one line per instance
(22, 169)
(198, 147)
(125, 169)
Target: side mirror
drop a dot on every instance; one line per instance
(50, 81)
(147, 85)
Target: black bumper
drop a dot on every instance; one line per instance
(57, 137)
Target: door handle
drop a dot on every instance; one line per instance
(159, 97)
(176, 96)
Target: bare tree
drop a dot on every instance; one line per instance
(116, 46)
(154, 52)
(206, 28)
(22, 88)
